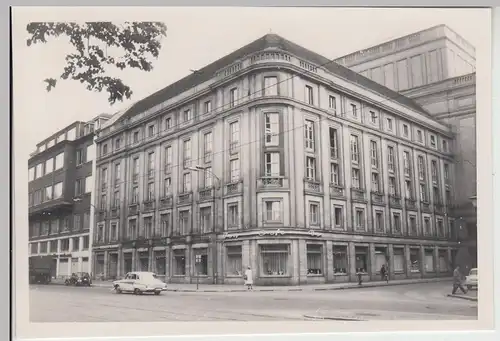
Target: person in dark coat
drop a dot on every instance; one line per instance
(384, 274)
(457, 281)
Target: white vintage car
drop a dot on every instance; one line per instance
(139, 283)
(471, 281)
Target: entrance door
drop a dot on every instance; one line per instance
(85, 264)
(74, 265)
(53, 268)
(127, 262)
(63, 267)
(113, 265)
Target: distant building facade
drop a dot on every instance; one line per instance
(60, 186)
(274, 158)
(436, 68)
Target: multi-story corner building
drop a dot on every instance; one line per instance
(276, 158)
(60, 186)
(436, 68)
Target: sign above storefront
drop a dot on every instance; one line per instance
(271, 233)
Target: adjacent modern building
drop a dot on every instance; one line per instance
(274, 157)
(436, 68)
(60, 187)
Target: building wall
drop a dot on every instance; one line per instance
(246, 189)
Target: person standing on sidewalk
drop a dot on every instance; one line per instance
(248, 277)
(384, 273)
(457, 281)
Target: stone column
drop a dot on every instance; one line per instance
(422, 261)
(329, 276)
(119, 265)
(134, 259)
(168, 256)
(407, 261)
(436, 261)
(151, 260)
(351, 256)
(371, 259)
(448, 261)
(106, 264)
(390, 251)
(301, 251)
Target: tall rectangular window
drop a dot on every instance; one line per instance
(186, 153)
(233, 216)
(334, 145)
(39, 171)
(354, 149)
(207, 107)
(135, 195)
(233, 97)
(354, 110)
(187, 116)
(271, 86)
(234, 260)
(168, 123)
(135, 168)
(314, 214)
(338, 217)
(271, 128)
(407, 163)
(374, 154)
(31, 174)
(234, 135)
(379, 221)
(205, 219)
(167, 187)
(334, 174)
(375, 182)
(310, 168)
(234, 166)
(421, 168)
(168, 159)
(118, 173)
(355, 178)
(151, 164)
(151, 191)
(207, 146)
(393, 187)
(58, 188)
(390, 158)
(332, 103)
(184, 222)
(359, 219)
(273, 211)
(434, 171)
(179, 262)
(274, 259)
(309, 134)
(309, 95)
(208, 178)
(340, 260)
(59, 161)
(49, 166)
(314, 259)
(272, 164)
(186, 182)
(423, 193)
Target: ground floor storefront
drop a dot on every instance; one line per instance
(281, 259)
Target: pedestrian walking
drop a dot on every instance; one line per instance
(248, 277)
(384, 273)
(457, 281)
(360, 277)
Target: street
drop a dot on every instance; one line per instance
(55, 303)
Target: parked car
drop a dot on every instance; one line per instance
(471, 279)
(40, 268)
(79, 279)
(139, 283)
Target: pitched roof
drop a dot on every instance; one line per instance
(267, 41)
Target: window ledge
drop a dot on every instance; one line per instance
(340, 275)
(315, 275)
(275, 276)
(234, 276)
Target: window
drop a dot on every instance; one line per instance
(338, 217)
(53, 246)
(420, 137)
(135, 195)
(407, 164)
(396, 221)
(447, 194)
(59, 161)
(393, 188)
(104, 201)
(233, 97)
(234, 166)
(354, 110)
(354, 149)
(104, 178)
(334, 174)
(445, 146)
(64, 244)
(361, 259)
(186, 182)
(118, 173)
(314, 214)
(234, 262)
(35, 232)
(184, 222)
(271, 86)
(443, 261)
(135, 137)
(31, 174)
(160, 262)
(271, 128)
(310, 168)
(414, 260)
(274, 259)
(165, 223)
(168, 159)
(34, 248)
(200, 261)
(49, 166)
(408, 189)
(86, 220)
(309, 134)
(340, 266)
(148, 227)
(179, 262)
(390, 158)
(104, 149)
(332, 103)
(205, 219)
(132, 229)
(118, 143)
(187, 116)
(186, 153)
(436, 195)
(429, 261)
(45, 228)
(421, 168)
(207, 107)
(359, 219)
(65, 224)
(207, 146)
(168, 123)
(58, 188)
(379, 221)
(39, 170)
(399, 260)
(151, 164)
(433, 141)
(76, 244)
(389, 124)
(43, 247)
(373, 117)
(151, 191)
(234, 131)
(356, 183)
(440, 228)
(427, 226)
(374, 153)
(151, 131)
(446, 170)
(79, 187)
(272, 164)
(423, 193)
(48, 193)
(314, 259)
(207, 180)
(434, 171)
(272, 211)
(309, 97)
(406, 130)
(375, 182)
(334, 146)
(233, 216)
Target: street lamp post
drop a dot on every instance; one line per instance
(199, 168)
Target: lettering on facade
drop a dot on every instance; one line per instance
(314, 233)
(278, 232)
(230, 235)
(273, 233)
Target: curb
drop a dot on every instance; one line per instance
(333, 318)
(473, 299)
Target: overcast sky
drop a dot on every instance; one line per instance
(195, 38)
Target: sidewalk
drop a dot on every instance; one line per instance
(470, 296)
(311, 287)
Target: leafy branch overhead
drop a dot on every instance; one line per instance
(99, 45)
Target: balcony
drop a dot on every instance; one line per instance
(411, 204)
(337, 191)
(271, 182)
(358, 194)
(395, 201)
(377, 198)
(185, 198)
(115, 212)
(206, 194)
(438, 208)
(312, 186)
(234, 188)
(101, 214)
(133, 209)
(425, 207)
(148, 206)
(166, 202)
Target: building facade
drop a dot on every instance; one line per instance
(436, 68)
(60, 186)
(275, 158)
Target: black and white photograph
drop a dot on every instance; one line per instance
(266, 165)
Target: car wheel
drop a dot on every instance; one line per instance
(157, 292)
(66, 282)
(137, 291)
(118, 290)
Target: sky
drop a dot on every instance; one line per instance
(195, 38)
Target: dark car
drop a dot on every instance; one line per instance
(79, 278)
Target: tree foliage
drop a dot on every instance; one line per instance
(130, 45)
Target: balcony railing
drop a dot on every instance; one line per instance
(115, 212)
(271, 182)
(206, 194)
(358, 194)
(438, 208)
(411, 204)
(394, 201)
(148, 206)
(312, 186)
(425, 207)
(377, 198)
(101, 214)
(337, 191)
(185, 198)
(133, 209)
(234, 188)
(166, 202)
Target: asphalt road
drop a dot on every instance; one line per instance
(52, 303)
